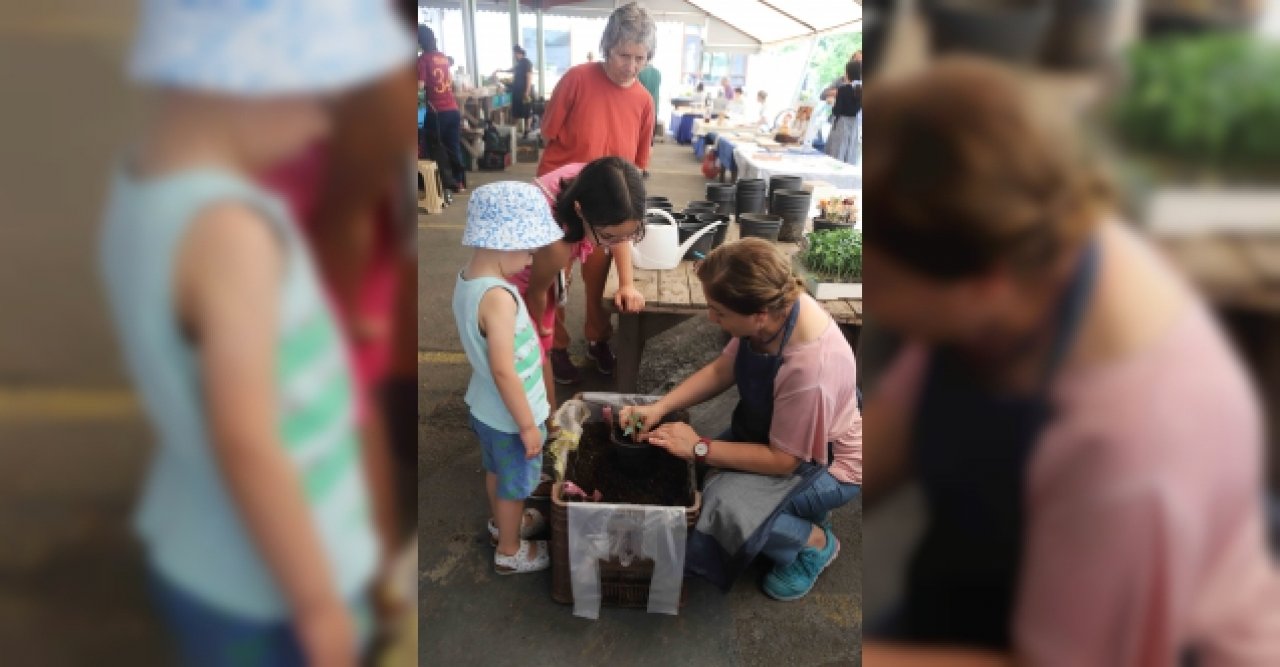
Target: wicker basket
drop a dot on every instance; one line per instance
(620, 586)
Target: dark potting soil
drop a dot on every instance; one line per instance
(593, 466)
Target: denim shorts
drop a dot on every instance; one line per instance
(503, 455)
(205, 636)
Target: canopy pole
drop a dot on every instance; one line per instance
(515, 22)
(542, 56)
(469, 28)
(808, 58)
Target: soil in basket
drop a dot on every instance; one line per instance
(592, 466)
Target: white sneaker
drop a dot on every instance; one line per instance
(520, 563)
(531, 523)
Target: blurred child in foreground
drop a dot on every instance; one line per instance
(255, 514)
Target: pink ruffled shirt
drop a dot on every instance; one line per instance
(298, 181)
(549, 183)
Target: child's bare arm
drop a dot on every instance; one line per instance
(498, 310)
(230, 264)
(547, 263)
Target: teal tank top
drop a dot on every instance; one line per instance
(482, 393)
(187, 520)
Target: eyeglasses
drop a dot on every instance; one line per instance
(610, 240)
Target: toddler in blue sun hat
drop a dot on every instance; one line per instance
(506, 222)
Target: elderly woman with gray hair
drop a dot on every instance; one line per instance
(598, 110)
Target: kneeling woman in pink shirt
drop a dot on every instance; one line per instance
(794, 450)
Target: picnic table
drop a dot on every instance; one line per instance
(673, 296)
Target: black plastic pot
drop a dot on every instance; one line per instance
(702, 246)
(657, 219)
(696, 207)
(749, 196)
(1079, 33)
(793, 206)
(823, 225)
(1013, 31)
(777, 183)
(721, 231)
(631, 456)
(725, 195)
(760, 225)
(718, 191)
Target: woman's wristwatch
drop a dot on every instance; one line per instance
(701, 450)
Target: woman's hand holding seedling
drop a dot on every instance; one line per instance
(638, 419)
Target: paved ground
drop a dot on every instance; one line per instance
(72, 444)
(471, 616)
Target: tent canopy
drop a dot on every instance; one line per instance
(734, 26)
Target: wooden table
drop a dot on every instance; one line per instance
(673, 296)
(1235, 270)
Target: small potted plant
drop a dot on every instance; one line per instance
(831, 263)
(836, 213)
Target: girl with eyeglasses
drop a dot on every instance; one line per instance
(599, 204)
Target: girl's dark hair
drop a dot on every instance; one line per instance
(610, 191)
(426, 38)
(853, 71)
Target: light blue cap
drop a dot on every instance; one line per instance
(509, 215)
(260, 48)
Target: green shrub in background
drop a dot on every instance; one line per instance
(1212, 101)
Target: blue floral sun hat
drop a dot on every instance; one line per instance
(509, 215)
(258, 48)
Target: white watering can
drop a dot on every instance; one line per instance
(660, 249)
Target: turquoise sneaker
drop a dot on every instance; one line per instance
(795, 580)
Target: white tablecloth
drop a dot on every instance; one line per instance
(755, 164)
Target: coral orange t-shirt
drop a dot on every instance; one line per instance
(590, 117)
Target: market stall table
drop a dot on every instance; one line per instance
(682, 125)
(673, 296)
(759, 161)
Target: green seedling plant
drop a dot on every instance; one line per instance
(833, 256)
(1209, 102)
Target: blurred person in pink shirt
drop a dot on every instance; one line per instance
(1088, 445)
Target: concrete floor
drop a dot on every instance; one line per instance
(73, 444)
(468, 615)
